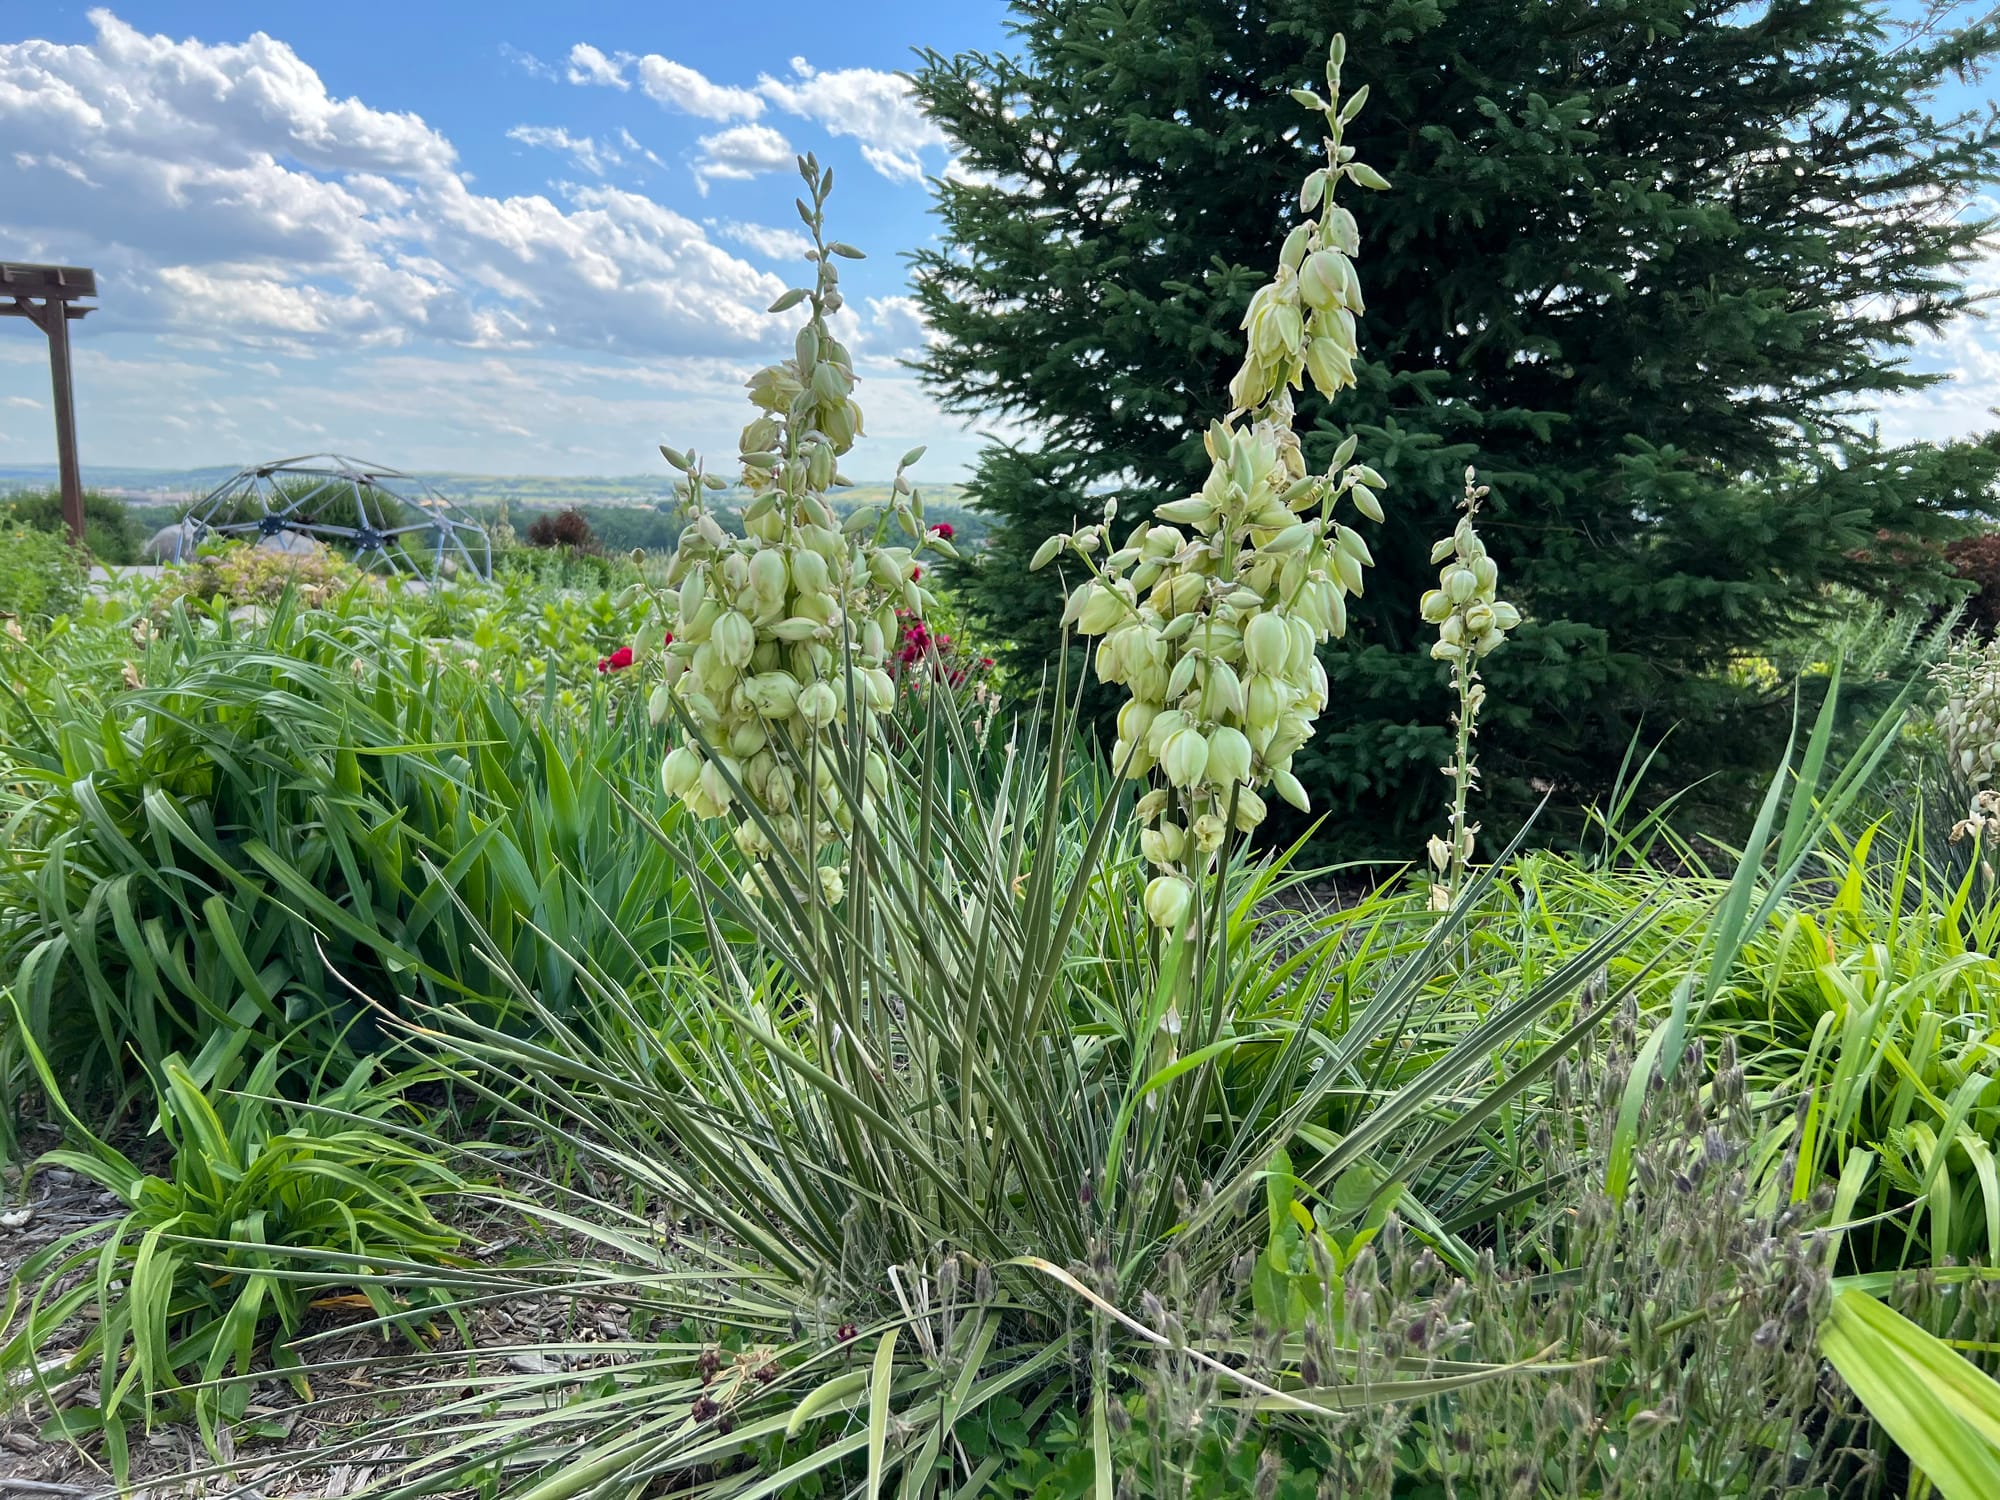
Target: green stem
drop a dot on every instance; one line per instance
(1461, 775)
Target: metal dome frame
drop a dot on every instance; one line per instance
(376, 496)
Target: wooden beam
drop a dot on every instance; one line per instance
(63, 283)
(47, 296)
(56, 327)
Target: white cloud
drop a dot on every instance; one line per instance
(632, 145)
(527, 62)
(741, 152)
(584, 151)
(680, 87)
(899, 326)
(588, 65)
(223, 194)
(870, 106)
(1967, 353)
(775, 244)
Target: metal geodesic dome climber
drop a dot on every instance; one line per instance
(381, 517)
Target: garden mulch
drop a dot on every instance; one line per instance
(270, 1455)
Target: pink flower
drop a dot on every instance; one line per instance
(943, 529)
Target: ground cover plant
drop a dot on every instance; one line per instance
(885, 1091)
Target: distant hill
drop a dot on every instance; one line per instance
(625, 510)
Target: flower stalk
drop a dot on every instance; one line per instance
(1472, 620)
(1210, 613)
(779, 640)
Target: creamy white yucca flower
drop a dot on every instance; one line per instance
(1472, 620)
(1969, 720)
(1210, 614)
(780, 637)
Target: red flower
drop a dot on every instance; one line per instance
(670, 639)
(985, 663)
(617, 661)
(943, 529)
(916, 572)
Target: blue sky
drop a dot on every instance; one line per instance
(504, 238)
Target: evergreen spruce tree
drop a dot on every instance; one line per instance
(1646, 265)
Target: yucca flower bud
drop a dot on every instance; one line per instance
(714, 785)
(1192, 511)
(1228, 758)
(768, 574)
(1289, 788)
(1320, 279)
(1208, 833)
(1184, 757)
(818, 704)
(751, 840)
(1267, 644)
(1250, 810)
(1167, 899)
(774, 695)
(1102, 609)
(680, 770)
(1135, 718)
(732, 639)
(1166, 724)
(1162, 846)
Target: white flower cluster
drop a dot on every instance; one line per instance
(1211, 613)
(780, 638)
(1969, 721)
(1471, 618)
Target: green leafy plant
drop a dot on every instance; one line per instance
(111, 530)
(184, 860)
(41, 575)
(261, 1210)
(237, 573)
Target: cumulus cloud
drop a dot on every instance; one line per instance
(868, 105)
(220, 186)
(763, 239)
(741, 152)
(680, 87)
(899, 325)
(588, 65)
(585, 152)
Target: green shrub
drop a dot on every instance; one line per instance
(41, 575)
(241, 573)
(112, 533)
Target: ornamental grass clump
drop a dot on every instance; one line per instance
(779, 640)
(1472, 620)
(1212, 629)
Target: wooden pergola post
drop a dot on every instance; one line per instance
(48, 297)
